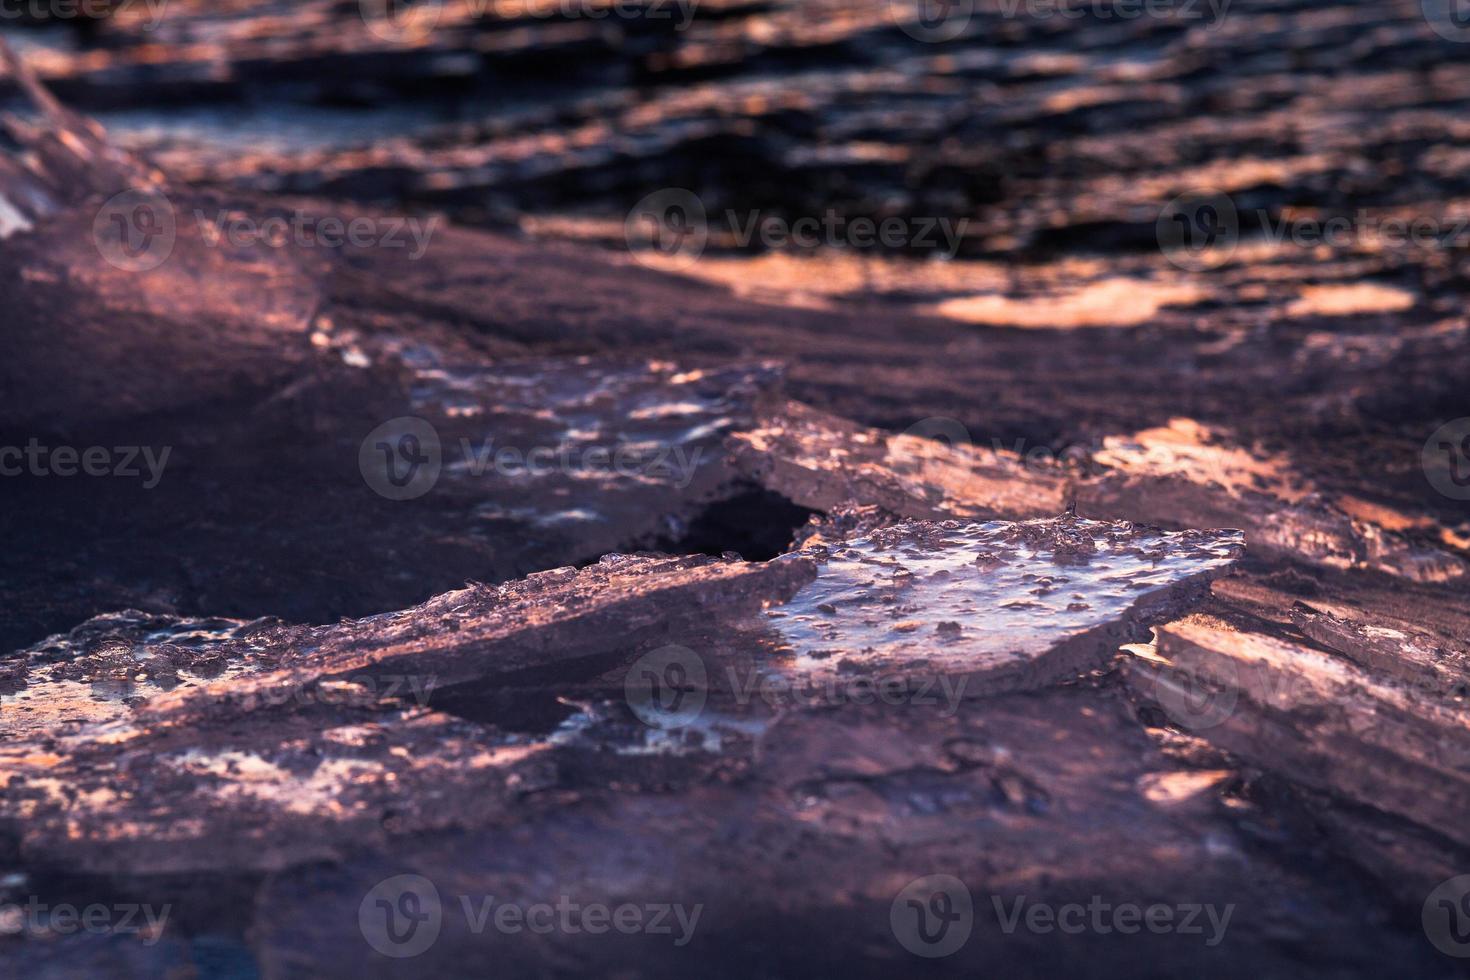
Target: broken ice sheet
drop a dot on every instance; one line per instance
(819, 461)
(1007, 604)
(274, 762)
(546, 462)
(1192, 475)
(98, 671)
(1322, 721)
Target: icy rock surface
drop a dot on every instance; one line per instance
(998, 600)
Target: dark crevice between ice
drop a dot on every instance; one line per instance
(529, 701)
(755, 523)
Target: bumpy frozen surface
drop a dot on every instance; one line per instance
(972, 597)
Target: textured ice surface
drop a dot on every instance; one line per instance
(97, 672)
(992, 597)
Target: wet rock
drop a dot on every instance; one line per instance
(519, 465)
(1033, 799)
(109, 270)
(820, 461)
(1319, 720)
(181, 756)
(1412, 636)
(1187, 474)
(321, 728)
(314, 736)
